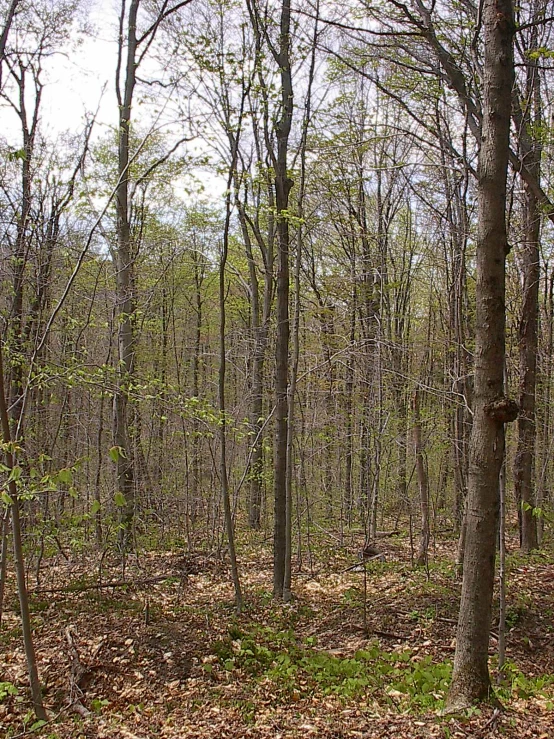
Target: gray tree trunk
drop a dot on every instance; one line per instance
(124, 284)
(283, 185)
(423, 484)
(529, 112)
(471, 680)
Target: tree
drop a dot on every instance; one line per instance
(423, 483)
(528, 116)
(132, 49)
(280, 52)
(33, 204)
(471, 680)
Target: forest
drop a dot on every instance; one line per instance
(276, 368)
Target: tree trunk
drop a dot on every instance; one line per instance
(259, 323)
(423, 482)
(530, 152)
(229, 528)
(283, 185)
(124, 287)
(349, 405)
(471, 679)
(30, 654)
(545, 420)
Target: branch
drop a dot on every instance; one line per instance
(157, 164)
(113, 584)
(165, 13)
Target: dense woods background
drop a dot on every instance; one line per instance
(240, 297)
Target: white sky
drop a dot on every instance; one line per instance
(76, 80)
(80, 80)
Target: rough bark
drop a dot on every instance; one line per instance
(124, 284)
(471, 680)
(228, 515)
(530, 152)
(423, 484)
(283, 185)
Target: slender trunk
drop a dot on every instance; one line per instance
(471, 679)
(30, 654)
(283, 185)
(195, 488)
(528, 328)
(502, 572)
(290, 425)
(259, 323)
(124, 288)
(528, 337)
(16, 330)
(349, 411)
(223, 421)
(256, 421)
(10, 15)
(99, 466)
(546, 375)
(423, 482)
(4, 558)
(296, 333)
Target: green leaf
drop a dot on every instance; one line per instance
(116, 452)
(7, 689)
(17, 154)
(65, 476)
(119, 499)
(15, 474)
(6, 498)
(38, 725)
(95, 507)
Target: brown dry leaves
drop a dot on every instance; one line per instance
(161, 678)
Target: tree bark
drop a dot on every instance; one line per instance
(283, 185)
(222, 404)
(471, 680)
(530, 152)
(124, 284)
(423, 482)
(30, 654)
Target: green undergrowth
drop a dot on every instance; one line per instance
(295, 668)
(515, 684)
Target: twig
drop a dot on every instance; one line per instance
(362, 564)
(460, 728)
(495, 715)
(77, 673)
(113, 584)
(28, 732)
(388, 635)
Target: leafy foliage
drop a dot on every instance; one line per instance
(296, 667)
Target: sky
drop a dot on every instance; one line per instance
(82, 80)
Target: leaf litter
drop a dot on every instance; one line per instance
(172, 659)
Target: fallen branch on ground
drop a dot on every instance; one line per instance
(112, 584)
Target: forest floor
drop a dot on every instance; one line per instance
(167, 655)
